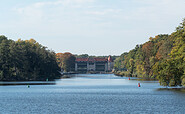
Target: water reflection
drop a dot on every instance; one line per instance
(101, 79)
(85, 79)
(28, 83)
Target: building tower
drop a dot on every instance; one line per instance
(110, 63)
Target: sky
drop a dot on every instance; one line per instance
(95, 27)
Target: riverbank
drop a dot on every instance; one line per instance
(138, 78)
(127, 74)
(130, 77)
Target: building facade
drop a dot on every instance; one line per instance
(94, 64)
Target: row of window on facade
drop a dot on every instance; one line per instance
(94, 64)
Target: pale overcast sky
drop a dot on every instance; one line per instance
(95, 27)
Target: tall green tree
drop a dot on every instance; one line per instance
(26, 60)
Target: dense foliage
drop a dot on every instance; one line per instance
(26, 60)
(66, 61)
(162, 57)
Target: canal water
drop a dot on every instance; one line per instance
(90, 94)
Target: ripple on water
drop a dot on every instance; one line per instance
(108, 94)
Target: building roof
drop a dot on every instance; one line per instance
(82, 59)
(100, 59)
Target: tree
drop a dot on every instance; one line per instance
(66, 61)
(26, 60)
(171, 70)
(5, 60)
(82, 56)
(162, 57)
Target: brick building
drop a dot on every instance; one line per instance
(94, 64)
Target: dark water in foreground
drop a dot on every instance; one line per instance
(90, 94)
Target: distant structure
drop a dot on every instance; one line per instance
(110, 63)
(94, 64)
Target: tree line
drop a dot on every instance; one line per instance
(93, 56)
(66, 61)
(26, 60)
(162, 58)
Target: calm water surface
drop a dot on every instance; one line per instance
(90, 94)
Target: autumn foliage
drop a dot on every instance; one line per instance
(66, 61)
(162, 57)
